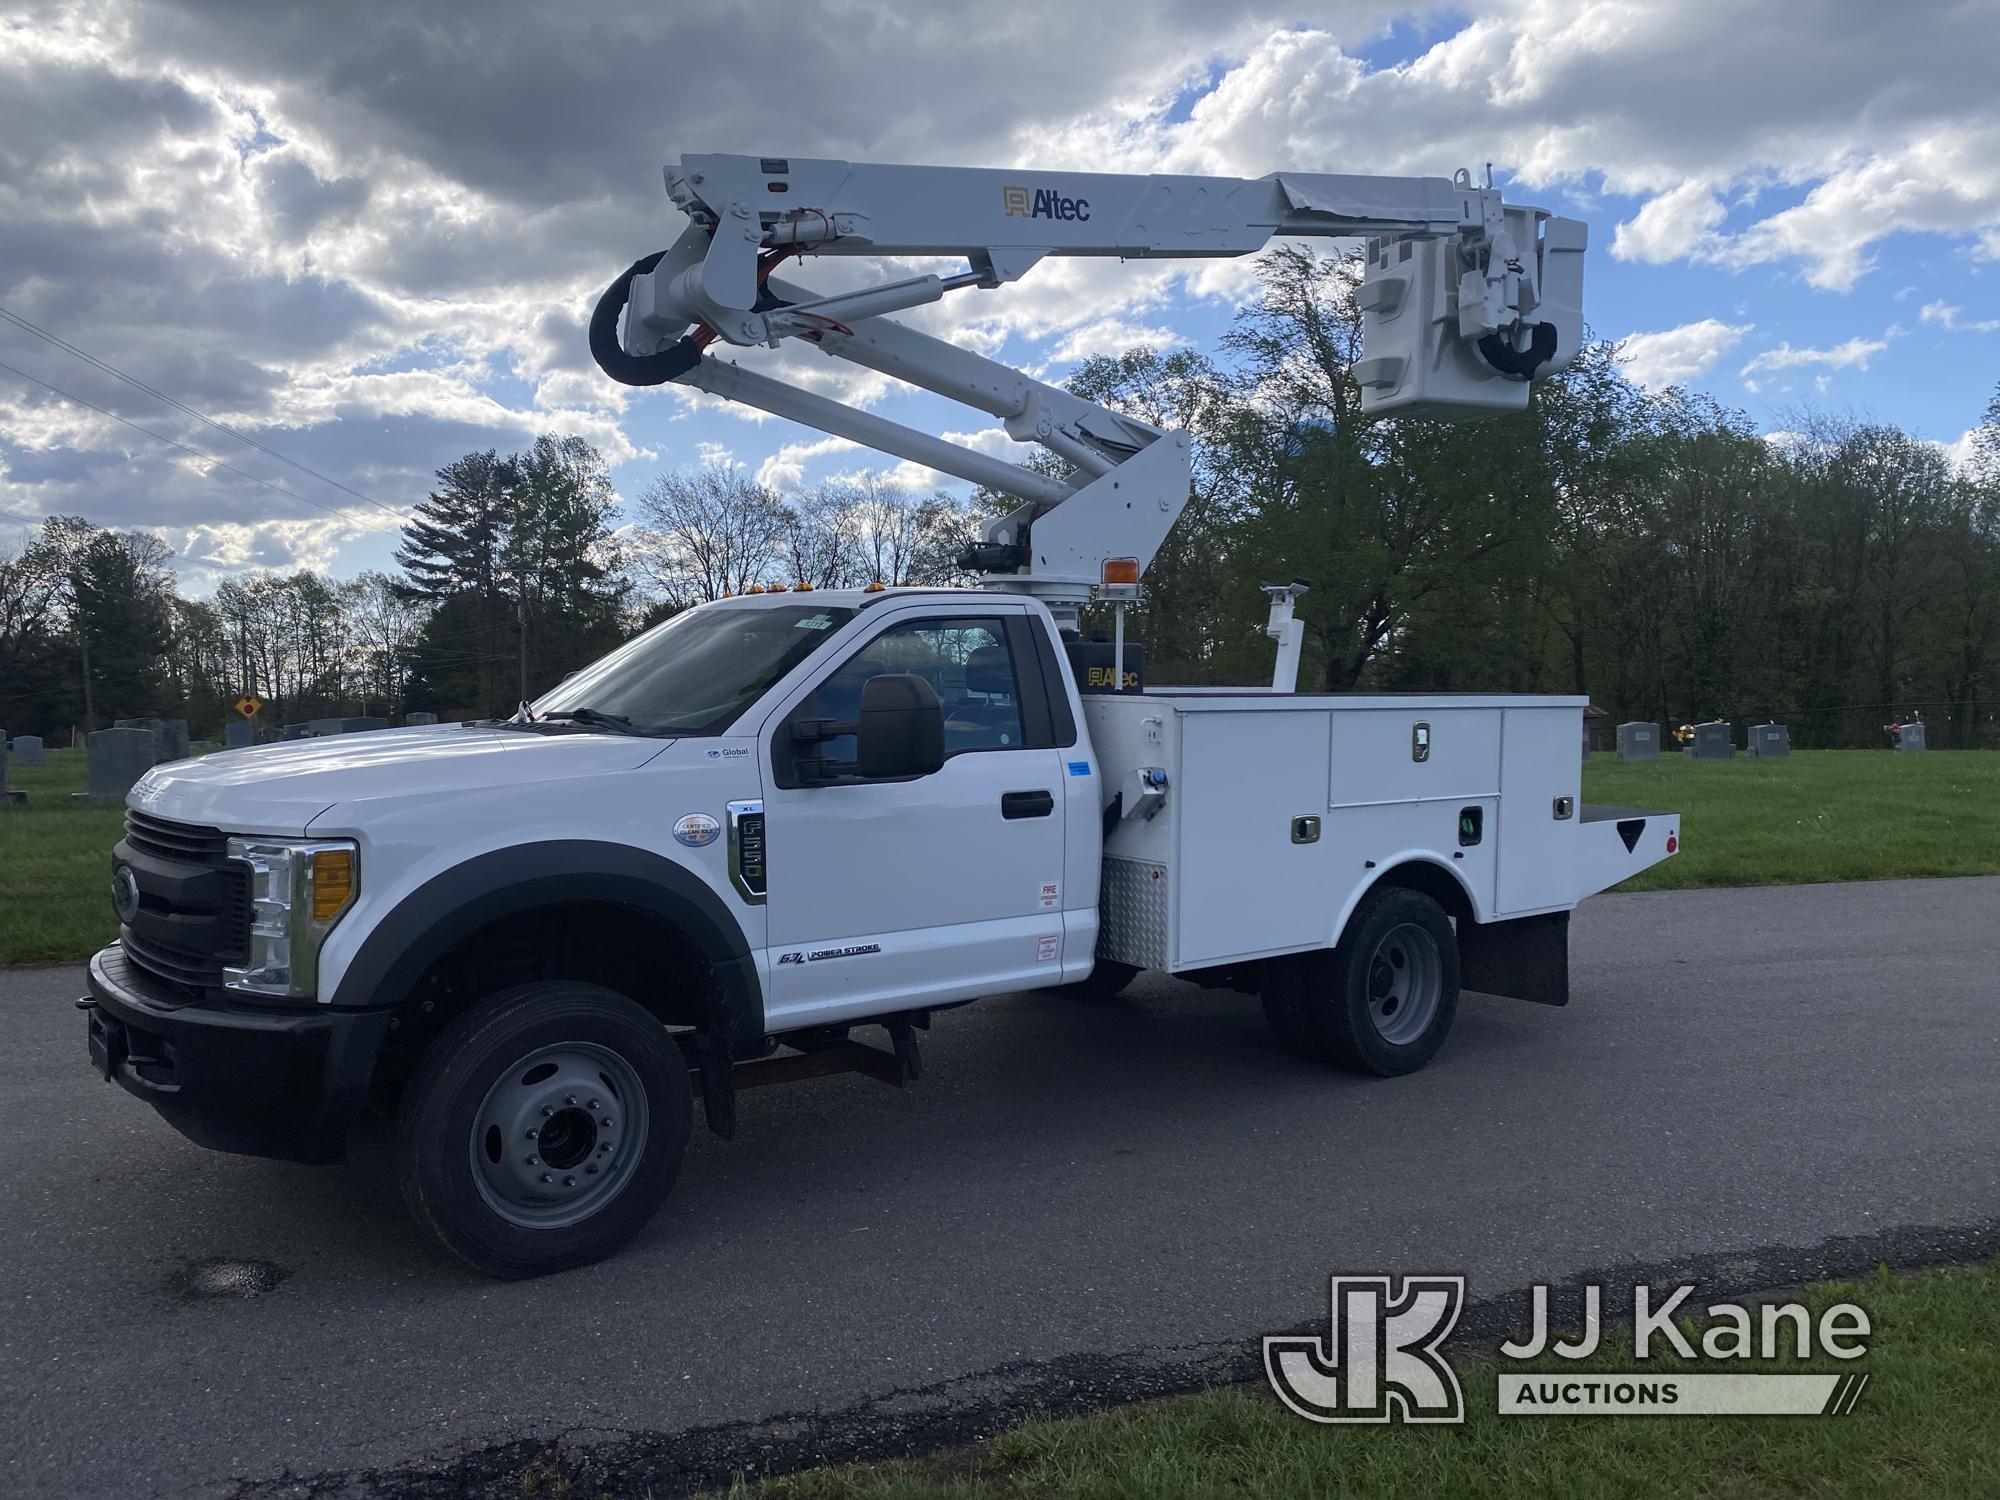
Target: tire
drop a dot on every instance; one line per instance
(1105, 982)
(1383, 999)
(554, 1058)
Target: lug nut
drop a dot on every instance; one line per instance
(534, 1135)
(534, 1161)
(547, 1110)
(545, 1177)
(569, 1182)
(607, 1122)
(594, 1104)
(570, 1099)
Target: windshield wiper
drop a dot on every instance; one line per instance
(596, 718)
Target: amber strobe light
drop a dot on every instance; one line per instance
(1121, 570)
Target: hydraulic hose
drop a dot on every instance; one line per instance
(609, 352)
(1523, 363)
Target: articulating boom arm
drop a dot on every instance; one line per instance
(1464, 300)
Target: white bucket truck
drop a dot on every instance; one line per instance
(707, 860)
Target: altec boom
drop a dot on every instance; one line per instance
(1465, 299)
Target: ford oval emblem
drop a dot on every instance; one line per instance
(697, 830)
(125, 893)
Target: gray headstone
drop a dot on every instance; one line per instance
(118, 757)
(318, 727)
(7, 798)
(171, 735)
(1768, 741)
(28, 750)
(1910, 737)
(419, 717)
(238, 735)
(362, 725)
(1712, 742)
(1638, 741)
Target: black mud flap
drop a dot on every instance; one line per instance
(1525, 959)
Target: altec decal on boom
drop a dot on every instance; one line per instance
(1465, 299)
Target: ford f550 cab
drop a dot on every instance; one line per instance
(710, 859)
(707, 861)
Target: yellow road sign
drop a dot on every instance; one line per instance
(248, 706)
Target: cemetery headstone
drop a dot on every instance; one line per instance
(1910, 737)
(118, 757)
(1713, 742)
(7, 798)
(1638, 741)
(239, 735)
(1769, 741)
(28, 750)
(318, 727)
(362, 725)
(170, 735)
(419, 717)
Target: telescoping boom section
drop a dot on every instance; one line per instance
(1465, 299)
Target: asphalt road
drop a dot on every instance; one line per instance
(1077, 1204)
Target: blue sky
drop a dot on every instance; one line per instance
(370, 243)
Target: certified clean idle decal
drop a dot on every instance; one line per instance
(697, 830)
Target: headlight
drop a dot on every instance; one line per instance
(297, 892)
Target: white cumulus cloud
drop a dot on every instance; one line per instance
(1675, 355)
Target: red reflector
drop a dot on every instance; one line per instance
(1673, 842)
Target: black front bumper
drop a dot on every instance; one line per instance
(258, 1082)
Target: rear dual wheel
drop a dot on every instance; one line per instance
(1380, 1001)
(543, 1128)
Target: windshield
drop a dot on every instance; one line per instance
(696, 673)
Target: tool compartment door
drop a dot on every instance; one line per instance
(1540, 760)
(1245, 888)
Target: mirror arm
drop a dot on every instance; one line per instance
(811, 731)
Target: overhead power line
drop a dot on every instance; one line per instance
(181, 406)
(207, 458)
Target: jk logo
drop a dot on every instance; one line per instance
(1381, 1363)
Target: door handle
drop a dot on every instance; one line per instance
(1027, 804)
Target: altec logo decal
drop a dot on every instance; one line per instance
(1043, 203)
(1383, 1361)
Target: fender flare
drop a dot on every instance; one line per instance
(452, 905)
(1403, 862)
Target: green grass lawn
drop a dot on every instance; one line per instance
(1818, 815)
(1821, 815)
(1925, 1426)
(55, 866)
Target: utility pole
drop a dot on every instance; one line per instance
(521, 613)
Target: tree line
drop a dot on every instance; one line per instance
(1649, 549)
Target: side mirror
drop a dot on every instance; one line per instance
(900, 729)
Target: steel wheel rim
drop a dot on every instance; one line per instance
(558, 1134)
(1405, 984)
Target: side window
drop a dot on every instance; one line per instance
(966, 659)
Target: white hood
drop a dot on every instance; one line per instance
(281, 788)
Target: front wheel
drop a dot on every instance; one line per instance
(543, 1128)
(1382, 1000)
